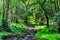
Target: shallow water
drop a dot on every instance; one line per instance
(27, 37)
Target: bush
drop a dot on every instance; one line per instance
(47, 34)
(17, 27)
(46, 31)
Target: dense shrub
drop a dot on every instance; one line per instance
(17, 27)
(47, 34)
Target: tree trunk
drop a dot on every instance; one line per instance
(7, 11)
(26, 20)
(47, 19)
(45, 13)
(16, 12)
(5, 16)
(59, 28)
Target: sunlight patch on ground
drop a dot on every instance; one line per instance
(39, 27)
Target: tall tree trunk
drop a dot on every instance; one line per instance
(7, 13)
(7, 10)
(26, 20)
(16, 12)
(5, 16)
(47, 19)
(59, 28)
(45, 13)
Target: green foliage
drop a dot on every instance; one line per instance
(3, 33)
(46, 31)
(47, 34)
(57, 18)
(31, 19)
(48, 37)
(17, 27)
(34, 12)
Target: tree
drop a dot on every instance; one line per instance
(45, 13)
(5, 24)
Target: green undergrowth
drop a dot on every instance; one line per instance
(47, 34)
(17, 29)
(4, 33)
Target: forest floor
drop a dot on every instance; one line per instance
(28, 30)
(31, 31)
(41, 34)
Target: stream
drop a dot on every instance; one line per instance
(27, 37)
(30, 35)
